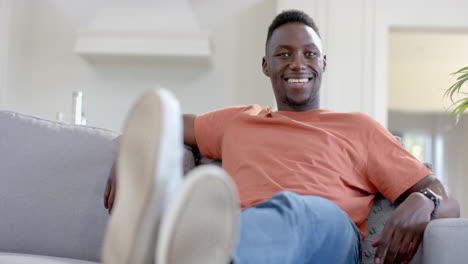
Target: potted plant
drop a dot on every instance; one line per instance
(459, 88)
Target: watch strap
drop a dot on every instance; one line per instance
(434, 198)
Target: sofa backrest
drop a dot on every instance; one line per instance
(52, 180)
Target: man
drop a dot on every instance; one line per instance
(306, 177)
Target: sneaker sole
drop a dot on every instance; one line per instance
(150, 156)
(201, 225)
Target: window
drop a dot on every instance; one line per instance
(419, 145)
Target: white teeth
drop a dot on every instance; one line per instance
(303, 80)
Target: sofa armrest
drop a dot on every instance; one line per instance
(445, 241)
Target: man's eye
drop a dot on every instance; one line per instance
(311, 54)
(284, 54)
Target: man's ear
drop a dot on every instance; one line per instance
(265, 67)
(324, 62)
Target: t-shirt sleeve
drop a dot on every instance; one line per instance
(390, 168)
(210, 129)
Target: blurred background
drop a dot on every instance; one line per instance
(389, 59)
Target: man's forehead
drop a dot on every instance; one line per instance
(295, 31)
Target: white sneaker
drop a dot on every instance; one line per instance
(201, 225)
(149, 168)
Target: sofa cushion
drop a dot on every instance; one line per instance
(53, 177)
(11, 258)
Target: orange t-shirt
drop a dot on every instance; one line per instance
(347, 158)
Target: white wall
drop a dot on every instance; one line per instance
(45, 70)
(4, 34)
(420, 63)
(251, 85)
(19, 42)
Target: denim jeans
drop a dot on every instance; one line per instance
(296, 229)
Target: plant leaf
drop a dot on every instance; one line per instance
(462, 76)
(462, 107)
(461, 70)
(460, 100)
(449, 92)
(457, 109)
(455, 89)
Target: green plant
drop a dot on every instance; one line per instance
(459, 105)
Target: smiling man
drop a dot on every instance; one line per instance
(295, 63)
(306, 177)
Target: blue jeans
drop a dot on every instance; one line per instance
(296, 229)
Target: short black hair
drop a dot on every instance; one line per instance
(291, 16)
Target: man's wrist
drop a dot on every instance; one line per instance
(423, 203)
(427, 202)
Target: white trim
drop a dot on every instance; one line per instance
(5, 9)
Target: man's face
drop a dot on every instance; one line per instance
(295, 62)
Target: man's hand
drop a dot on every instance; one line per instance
(109, 194)
(404, 230)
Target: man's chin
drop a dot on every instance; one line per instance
(297, 101)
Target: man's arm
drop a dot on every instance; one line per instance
(449, 207)
(189, 130)
(404, 230)
(189, 139)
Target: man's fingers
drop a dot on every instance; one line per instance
(383, 242)
(110, 201)
(405, 247)
(377, 241)
(106, 194)
(414, 248)
(394, 247)
(110, 189)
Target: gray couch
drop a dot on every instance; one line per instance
(52, 178)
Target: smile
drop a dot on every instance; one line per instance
(295, 80)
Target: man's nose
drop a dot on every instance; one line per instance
(298, 63)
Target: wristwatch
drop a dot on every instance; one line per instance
(434, 198)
